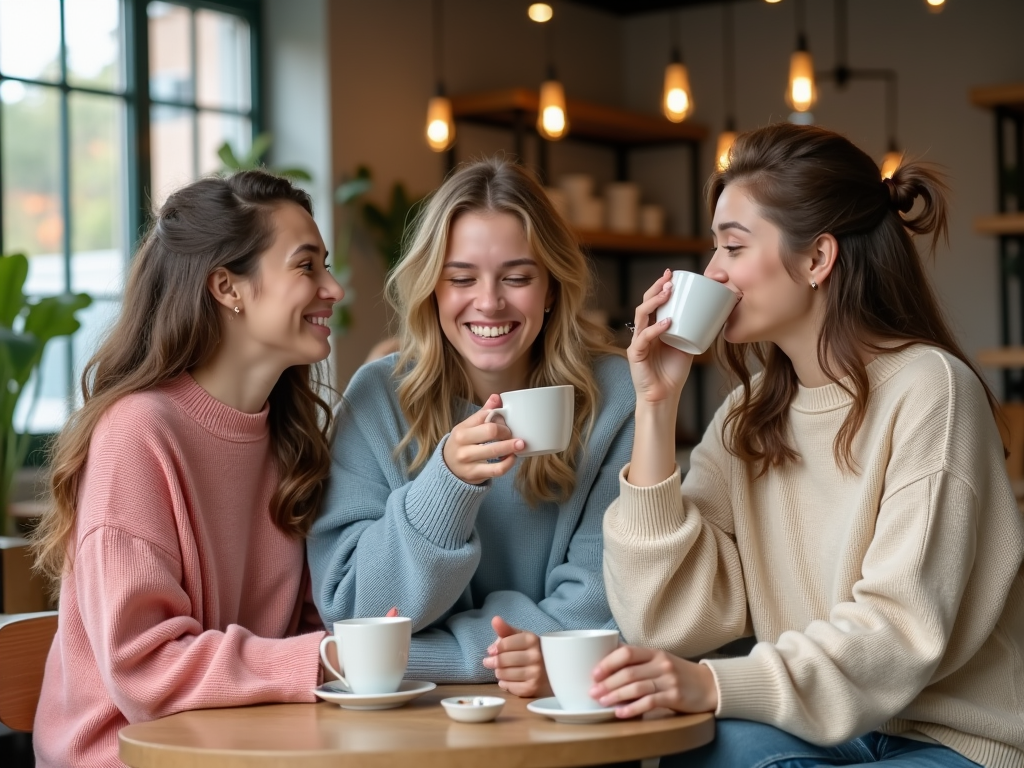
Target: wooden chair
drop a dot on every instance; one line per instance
(25, 641)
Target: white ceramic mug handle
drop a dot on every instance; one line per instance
(323, 657)
(503, 412)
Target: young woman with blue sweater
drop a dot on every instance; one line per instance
(428, 507)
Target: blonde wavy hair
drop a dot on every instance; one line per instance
(432, 376)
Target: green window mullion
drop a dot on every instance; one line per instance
(136, 43)
(65, 193)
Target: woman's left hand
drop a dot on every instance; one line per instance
(517, 662)
(636, 680)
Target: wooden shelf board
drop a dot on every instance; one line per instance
(587, 120)
(1010, 95)
(1001, 357)
(1000, 224)
(616, 241)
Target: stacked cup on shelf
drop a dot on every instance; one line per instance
(619, 211)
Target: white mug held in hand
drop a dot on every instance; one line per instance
(373, 652)
(699, 307)
(541, 417)
(570, 658)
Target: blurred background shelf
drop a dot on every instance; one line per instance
(642, 244)
(590, 122)
(1000, 224)
(1006, 96)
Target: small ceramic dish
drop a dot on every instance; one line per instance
(473, 709)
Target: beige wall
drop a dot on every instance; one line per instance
(380, 65)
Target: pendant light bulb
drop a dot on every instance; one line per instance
(440, 124)
(936, 6)
(725, 141)
(677, 98)
(892, 160)
(552, 120)
(802, 91)
(540, 12)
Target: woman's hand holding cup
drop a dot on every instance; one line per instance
(659, 371)
(477, 450)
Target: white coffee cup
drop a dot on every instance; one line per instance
(374, 653)
(699, 307)
(569, 660)
(541, 417)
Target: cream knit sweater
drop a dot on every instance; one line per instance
(891, 599)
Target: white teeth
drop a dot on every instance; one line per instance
(317, 320)
(490, 331)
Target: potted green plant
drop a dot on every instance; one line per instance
(254, 159)
(25, 329)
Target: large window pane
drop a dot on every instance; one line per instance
(47, 413)
(172, 149)
(214, 130)
(30, 39)
(97, 321)
(222, 61)
(94, 43)
(33, 218)
(170, 52)
(97, 192)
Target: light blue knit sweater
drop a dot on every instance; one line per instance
(451, 555)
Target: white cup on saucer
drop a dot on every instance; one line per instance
(541, 417)
(569, 659)
(373, 652)
(699, 307)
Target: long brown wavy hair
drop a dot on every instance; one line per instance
(170, 324)
(432, 375)
(809, 181)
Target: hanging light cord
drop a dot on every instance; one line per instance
(728, 65)
(439, 45)
(677, 38)
(801, 24)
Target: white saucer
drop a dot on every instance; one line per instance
(407, 691)
(551, 708)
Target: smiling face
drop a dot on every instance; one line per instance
(773, 306)
(491, 299)
(288, 306)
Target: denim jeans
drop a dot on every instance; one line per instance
(746, 744)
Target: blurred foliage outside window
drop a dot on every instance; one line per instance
(66, 174)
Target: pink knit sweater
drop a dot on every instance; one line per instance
(183, 594)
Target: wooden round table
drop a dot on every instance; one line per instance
(420, 734)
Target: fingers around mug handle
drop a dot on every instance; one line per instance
(327, 663)
(494, 413)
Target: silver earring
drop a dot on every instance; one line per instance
(814, 287)
(237, 310)
(546, 310)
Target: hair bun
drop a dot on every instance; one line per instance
(901, 196)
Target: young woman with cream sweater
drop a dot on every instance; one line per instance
(848, 506)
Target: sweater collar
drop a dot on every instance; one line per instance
(214, 416)
(832, 396)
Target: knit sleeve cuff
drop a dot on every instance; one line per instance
(441, 506)
(654, 511)
(746, 689)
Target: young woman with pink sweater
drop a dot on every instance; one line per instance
(184, 486)
(848, 506)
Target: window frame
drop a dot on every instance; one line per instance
(135, 97)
